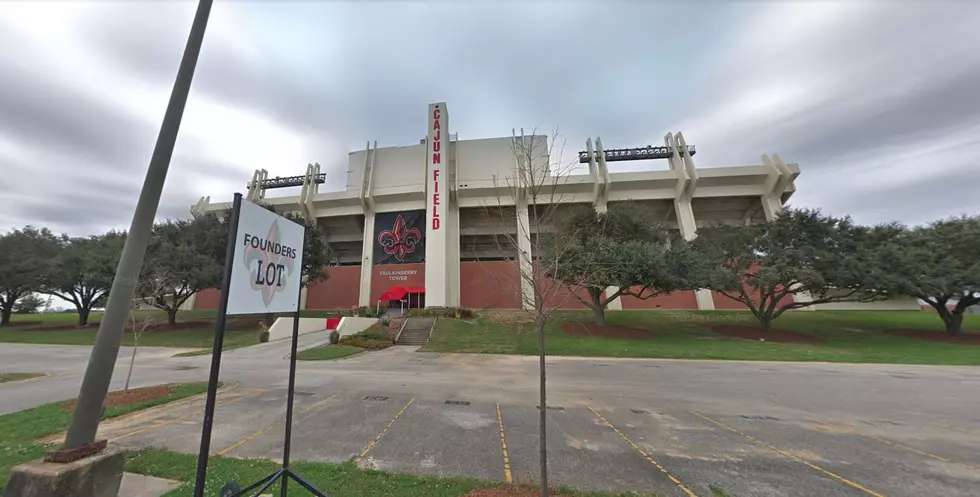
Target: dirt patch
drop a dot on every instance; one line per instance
(751, 333)
(25, 323)
(581, 328)
(938, 336)
(507, 492)
(131, 396)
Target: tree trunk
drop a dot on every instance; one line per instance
(132, 359)
(5, 315)
(543, 412)
(82, 316)
(598, 309)
(172, 316)
(953, 322)
(765, 321)
(269, 319)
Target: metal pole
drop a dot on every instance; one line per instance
(98, 373)
(219, 338)
(290, 391)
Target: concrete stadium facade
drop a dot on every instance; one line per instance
(414, 220)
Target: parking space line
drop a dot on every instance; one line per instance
(178, 418)
(957, 428)
(791, 456)
(385, 430)
(503, 447)
(635, 447)
(273, 425)
(906, 447)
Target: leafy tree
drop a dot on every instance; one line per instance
(82, 271)
(183, 257)
(24, 255)
(623, 247)
(768, 267)
(29, 304)
(940, 265)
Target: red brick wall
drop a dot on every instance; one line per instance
(339, 291)
(676, 300)
(489, 285)
(207, 299)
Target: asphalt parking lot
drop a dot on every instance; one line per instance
(668, 449)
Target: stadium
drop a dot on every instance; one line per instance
(420, 225)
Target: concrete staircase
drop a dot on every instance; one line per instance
(415, 331)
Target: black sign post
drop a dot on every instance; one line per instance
(232, 489)
(219, 337)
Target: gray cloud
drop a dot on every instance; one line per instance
(851, 91)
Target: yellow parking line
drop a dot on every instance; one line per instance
(503, 447)
(635, 447)
(906, 447)
(178, 418)
(791, 456)
(273, 425)
(385, 430)
(957, 428)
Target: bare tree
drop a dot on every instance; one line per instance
(535, 192)
(138, 322)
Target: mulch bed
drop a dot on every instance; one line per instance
(586, 329)
(131, 396)
(937, 336)
(507, 492)
(752, 333)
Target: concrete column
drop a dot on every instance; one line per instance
(437, 207)
(615, 304)
(771, 206)
(188, 304)
(688, 227)
(524, 255)
(303, 294)
(367, 261)
(452, 255)
(601, 206)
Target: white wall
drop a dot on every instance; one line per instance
(393, 167)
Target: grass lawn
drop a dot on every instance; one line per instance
(16, 320)
(8, 377)
(337, 480)
(19, 431)
(848, 336)
(199, 337)
(326, 352)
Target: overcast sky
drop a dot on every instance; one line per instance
(879, 103)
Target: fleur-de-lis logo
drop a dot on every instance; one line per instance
(400, 240)
(264, 253)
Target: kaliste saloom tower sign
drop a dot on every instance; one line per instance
(263, 274)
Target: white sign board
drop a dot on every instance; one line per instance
(268, 264)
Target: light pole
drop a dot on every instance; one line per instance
(98, 374)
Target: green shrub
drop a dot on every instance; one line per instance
(373, 333)
(443, 312)
(366, 312)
